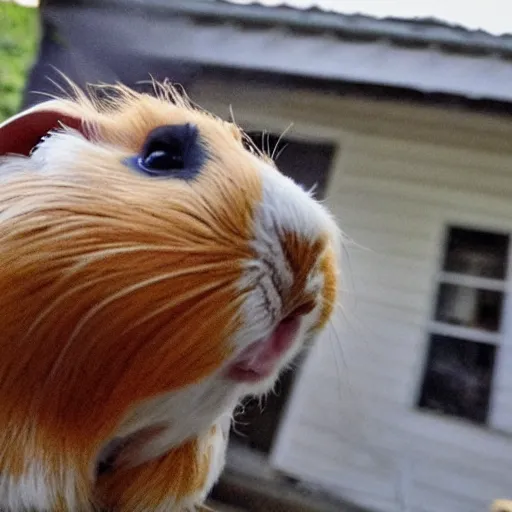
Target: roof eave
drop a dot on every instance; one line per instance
(407, 32)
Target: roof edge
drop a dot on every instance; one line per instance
(418, 31)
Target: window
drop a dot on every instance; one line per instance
(466, 331)
(307, 163)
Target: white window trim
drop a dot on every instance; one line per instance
(500, 369)
(502, 338)
(466, 333)
(498, 285)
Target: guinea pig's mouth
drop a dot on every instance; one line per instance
(261, 358)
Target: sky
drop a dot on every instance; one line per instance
(494, 16)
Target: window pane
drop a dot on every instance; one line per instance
(469, 307)
(458, 377)
(476, 253)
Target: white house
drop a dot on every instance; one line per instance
(405, 404)
(425, 195)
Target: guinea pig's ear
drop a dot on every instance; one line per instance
(20, 133)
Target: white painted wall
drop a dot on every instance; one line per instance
(351, 425)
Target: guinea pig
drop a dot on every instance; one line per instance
(155, 268)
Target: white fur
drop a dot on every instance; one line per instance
(58, 154)
(36, 490)
(30, 490)
(218, 444)
(290, 208)
(187, 412)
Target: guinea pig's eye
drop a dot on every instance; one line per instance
(162, 160)
(171, 151)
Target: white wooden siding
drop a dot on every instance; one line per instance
(394, 200)
(351, 425)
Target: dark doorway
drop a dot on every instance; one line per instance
(308, 164)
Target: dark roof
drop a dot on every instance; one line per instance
(424, 55)
(410, 32)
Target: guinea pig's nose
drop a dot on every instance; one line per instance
(291, 275)
(295, 233)
(303, 309)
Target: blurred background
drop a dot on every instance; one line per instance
(401, 117)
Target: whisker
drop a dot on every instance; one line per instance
(237, 432)
(132, 355)
(151, 82)
(349, 273)
(261, 403)
(94, 256)
(159, 89)
(60, 299)
(232, 115)
(65, 94)
(46, 94)
(286, 130)
(312, 189)
(121, 294)
(281, 151)
(351, 242)
(90, 258)
(177, 299)
(337, 349)
(335, 358)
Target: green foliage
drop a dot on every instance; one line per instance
(19, 37)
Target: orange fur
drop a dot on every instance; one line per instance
(328, 267)
(99, 241)
(301, 256)
(149, 484)
(115, 289)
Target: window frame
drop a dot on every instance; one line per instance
(499, 339)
